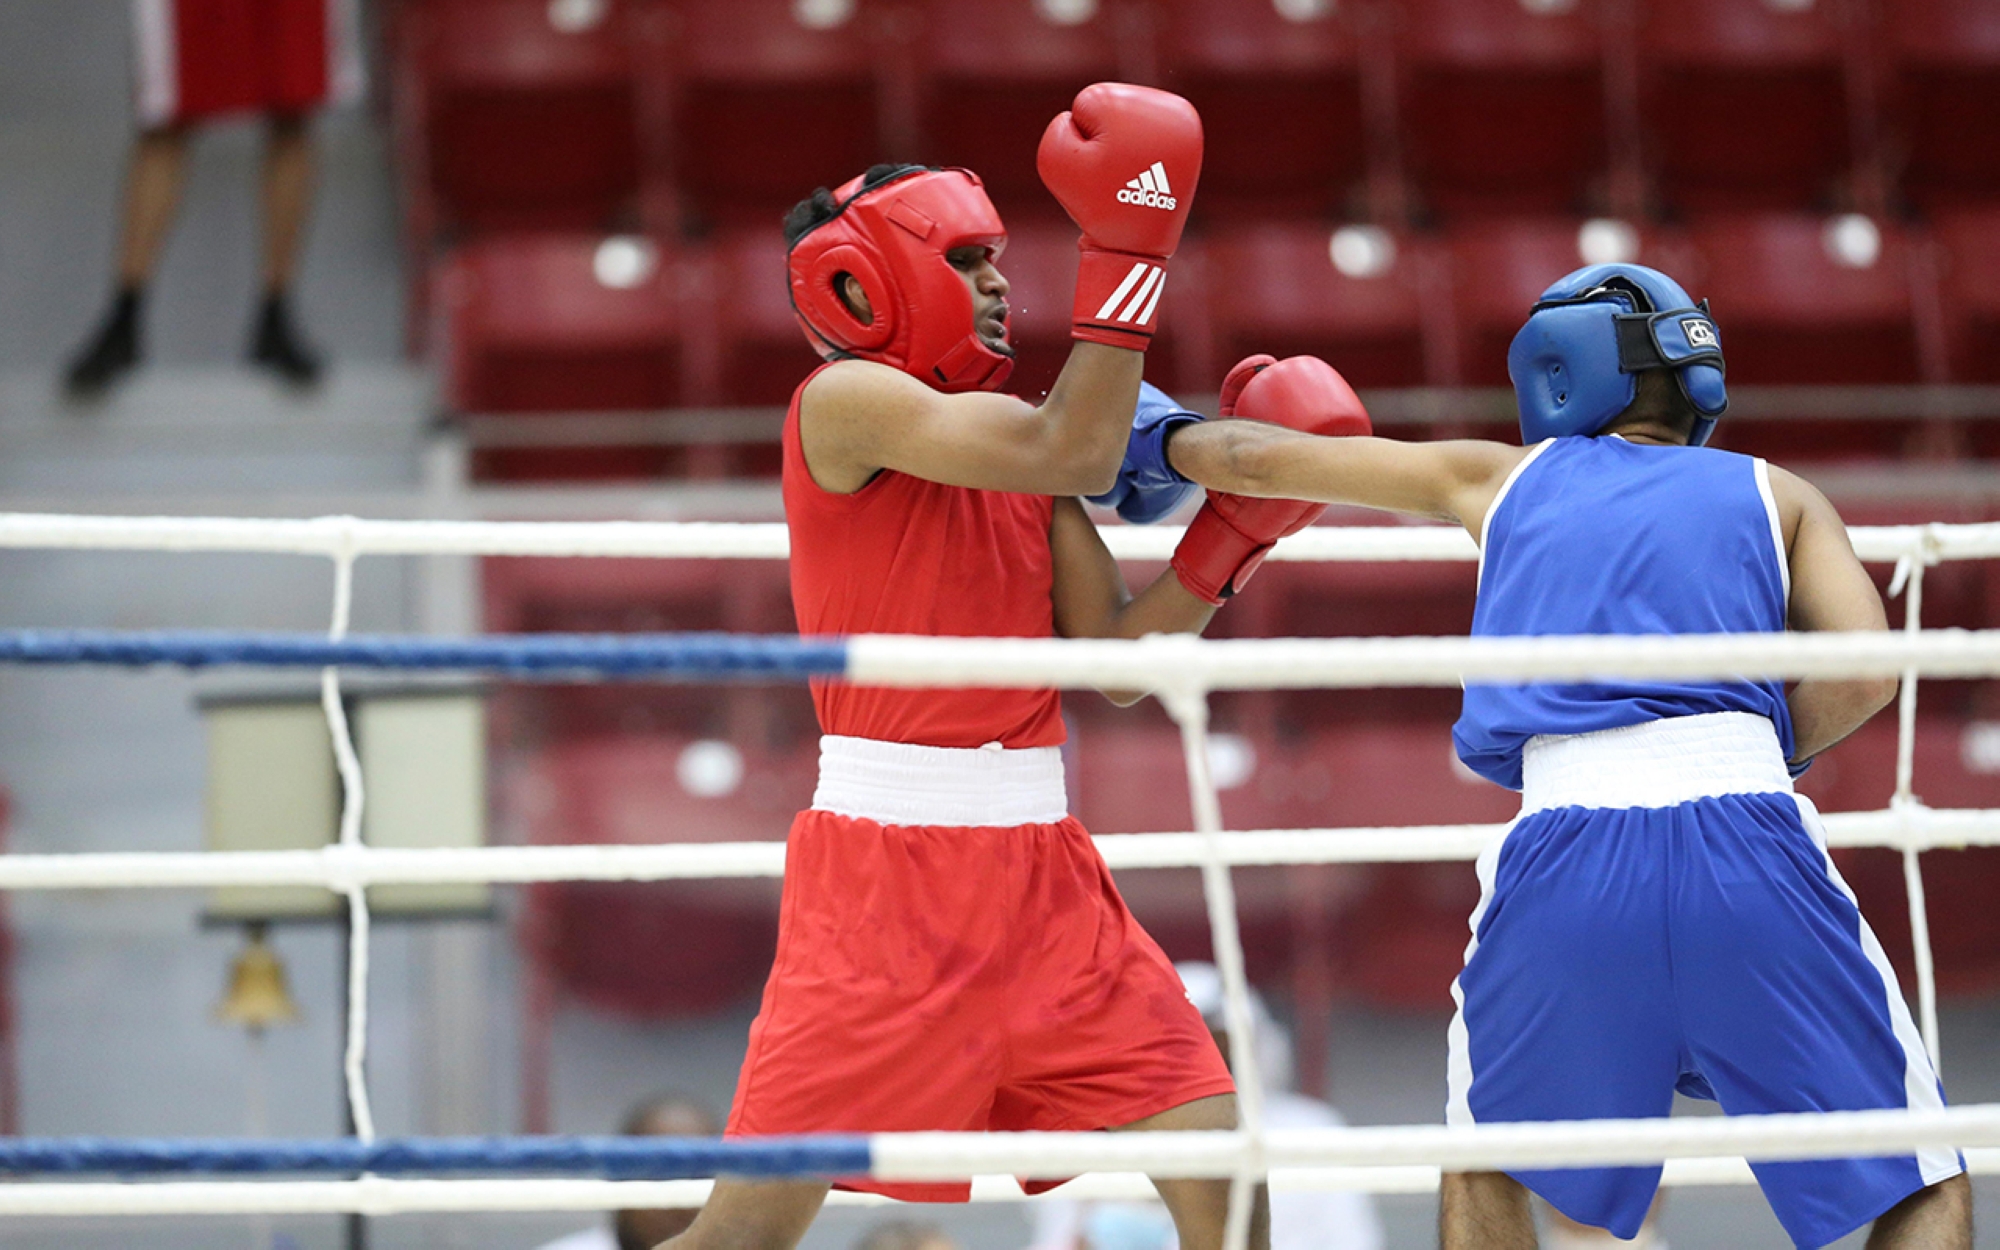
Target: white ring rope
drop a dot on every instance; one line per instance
(377, 1195)
(341, 869)
(1384, 1159)
(705, 540)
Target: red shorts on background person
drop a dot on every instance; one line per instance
(199, 59)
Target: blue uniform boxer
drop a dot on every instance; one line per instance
(1664, 914)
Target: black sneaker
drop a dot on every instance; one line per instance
(112, 351)
(276, 345)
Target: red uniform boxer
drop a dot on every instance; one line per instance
(952, 953)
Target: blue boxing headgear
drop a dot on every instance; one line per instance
(1575, 365)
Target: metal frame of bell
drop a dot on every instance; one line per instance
(272, 785)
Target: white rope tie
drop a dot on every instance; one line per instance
(1189, 708)
(1908, 580)
(352, 803)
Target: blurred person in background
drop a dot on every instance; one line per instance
(905, 1235)
(1299, 1221)
(663, 1115)
(197, 61)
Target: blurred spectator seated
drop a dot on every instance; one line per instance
(1969, 257)
(1502, 103)
(1745, 102)
(1350, 294)
(525, 112)
(666, 1115)
(1948, 89)
(1299, 1220)
(1278, 91)
(906, 1235)
(564, 325)
(773, 98)
(997, 71)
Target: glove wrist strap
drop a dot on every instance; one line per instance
(1117, 296)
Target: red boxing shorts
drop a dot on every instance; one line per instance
(960, 977)
(204, 58)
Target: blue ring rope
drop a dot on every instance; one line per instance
(700, 656)
(614, 1158)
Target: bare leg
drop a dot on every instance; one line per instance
(152, 194)
(287, 197)
(1484, 1211)
(753, 1215)
(1200, 1207)
(1936, 1218)
(153, 180)
(288, 191)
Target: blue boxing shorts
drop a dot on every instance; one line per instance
(1664, 915)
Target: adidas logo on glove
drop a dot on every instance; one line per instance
(1149, 189)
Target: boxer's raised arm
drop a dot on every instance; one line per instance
(1123, 161)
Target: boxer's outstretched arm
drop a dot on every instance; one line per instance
(857, 418)
(1830, 591)
(1452, 481)
(1091, 599)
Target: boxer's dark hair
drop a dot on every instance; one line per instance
(1656, 400)
(819, 207)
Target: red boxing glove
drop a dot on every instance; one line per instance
(1123, 162)
(1232, 534)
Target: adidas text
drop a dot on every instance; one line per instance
(1149, 189)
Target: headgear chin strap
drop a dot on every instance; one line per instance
(893, 238)
(1575, 364)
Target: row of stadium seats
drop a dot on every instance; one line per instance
(666, 114)
(551, 322)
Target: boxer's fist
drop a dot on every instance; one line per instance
(1232, 534)
(1148, 486)
(1123, 162)
(1300, 392)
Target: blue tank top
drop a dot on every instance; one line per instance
(1602, 536)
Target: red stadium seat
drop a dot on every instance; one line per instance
(1792, 309)
(1969, 257)
(761, 354)
(1745, 102)
(997, 71)
(769, 108)
(1502, 103)
(561, 324)
(1275, 288)
(1500, 268)
(1280, 103)
(519, 122)
(1949, 98)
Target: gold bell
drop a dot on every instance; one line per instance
(257, 997)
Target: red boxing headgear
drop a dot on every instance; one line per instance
(893, 238)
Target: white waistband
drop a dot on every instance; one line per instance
(899, 783)
(1656, 764)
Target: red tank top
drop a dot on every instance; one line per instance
(906, 556)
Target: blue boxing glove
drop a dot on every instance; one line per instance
(1148, 488)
